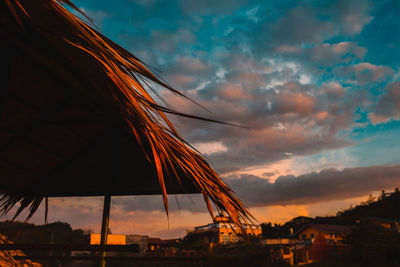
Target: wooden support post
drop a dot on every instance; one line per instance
(113, 175)
(104, 228)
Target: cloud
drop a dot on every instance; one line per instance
(305, 189)
(172, 232)
(181, 80)
(377, 119)
(294, 72)
(326, 185)
(249, 79)
(232, 92)
(369, 72)
(97, 16)
(285, 121)
(365, 72)
(129, 215)
(330, 54)
(389, 102)
(168, 41)
(210, 7)
(190, 202)
(300, 104)
(80, 212)
(352, 16)
(301, 25)
(388, 105)
(209, 148)
(188, 72)
(279, 214)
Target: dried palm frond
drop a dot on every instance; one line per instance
(114, 82)
(7, 257)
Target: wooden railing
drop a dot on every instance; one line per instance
(69, 247)
(134, 248)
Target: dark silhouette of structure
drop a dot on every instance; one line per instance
(76, 119)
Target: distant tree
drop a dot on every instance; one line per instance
(370, 244)
(57, 232)
(384, 195)
(385, 206)
(53, 233)
(371, 199)
(270, 230)
(373, 245)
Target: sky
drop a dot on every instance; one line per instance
(315, 83)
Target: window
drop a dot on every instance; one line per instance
(312, 235)
(303, 236)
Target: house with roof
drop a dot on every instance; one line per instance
(155, 243)
(280, 249)
(144, 243)
(325, 239)
(387, 223)
(332, 234)
(221, 231)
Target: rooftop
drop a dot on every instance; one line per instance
(328, 228)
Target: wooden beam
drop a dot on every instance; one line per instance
(159, 260)
(104, 229)
(113, 175)
(69, 247)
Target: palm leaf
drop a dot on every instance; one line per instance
(115, 82)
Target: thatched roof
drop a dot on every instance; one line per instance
(76, 118)
(7, 256)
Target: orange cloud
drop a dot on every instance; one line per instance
(298, 103)
(279, 214)
(232, 92)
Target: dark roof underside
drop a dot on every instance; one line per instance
(56, 143)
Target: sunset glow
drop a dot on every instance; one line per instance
(313, 88)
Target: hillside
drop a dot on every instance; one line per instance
(385, 206)
(57, 232)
